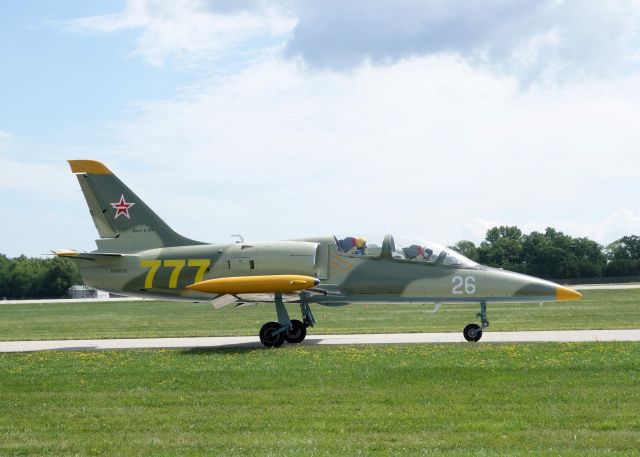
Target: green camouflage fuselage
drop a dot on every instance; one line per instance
(346, 278)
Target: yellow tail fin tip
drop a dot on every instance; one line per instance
(89, 166)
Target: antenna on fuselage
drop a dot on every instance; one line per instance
(240, 238)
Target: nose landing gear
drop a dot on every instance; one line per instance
(274, 334)
(473, 332)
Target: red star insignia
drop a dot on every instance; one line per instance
(122, 208)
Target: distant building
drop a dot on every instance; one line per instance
(81, 291)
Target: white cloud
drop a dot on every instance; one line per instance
(613, 226)
(30, 177)
(545, 39)
(191, 31)
(477, 228)
(433, 142)
(420, 147)
(4, 137)
(42, 208)
(617, 224)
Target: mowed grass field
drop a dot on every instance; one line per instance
(394, 400)
(598, 309)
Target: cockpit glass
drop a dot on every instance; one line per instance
(403, 248)
(417, 250)
(358, 244)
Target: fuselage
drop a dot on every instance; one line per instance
(344, 277)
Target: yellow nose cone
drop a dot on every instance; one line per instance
(564, 293)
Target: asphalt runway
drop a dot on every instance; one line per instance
(312, 340)
(605, 286)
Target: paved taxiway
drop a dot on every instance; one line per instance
(605, 286)
(252, 341)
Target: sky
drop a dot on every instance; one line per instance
(287, 119)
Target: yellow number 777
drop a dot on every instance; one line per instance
(177, 265)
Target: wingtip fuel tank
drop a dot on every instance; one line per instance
(255, 284)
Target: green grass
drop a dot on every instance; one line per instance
(599, 309)
(451, 400)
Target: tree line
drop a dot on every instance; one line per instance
(553, 254)
(32, 277)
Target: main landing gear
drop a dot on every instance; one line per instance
(274, 334)
(473, 332)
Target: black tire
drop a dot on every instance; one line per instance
(297, 332)
(472, 333)
(268, 339)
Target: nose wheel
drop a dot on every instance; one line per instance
(473, 332)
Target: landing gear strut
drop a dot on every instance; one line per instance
(473, 332)
(274, 334)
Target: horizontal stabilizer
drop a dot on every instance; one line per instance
(84, 255)
(255, 284)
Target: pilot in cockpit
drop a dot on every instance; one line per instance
(417, 252)
(352, 245)
(361, 246)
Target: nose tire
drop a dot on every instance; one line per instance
(472, 333)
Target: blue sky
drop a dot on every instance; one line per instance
(285, 119)
(64, 86)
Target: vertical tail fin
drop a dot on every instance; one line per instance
(124, 222)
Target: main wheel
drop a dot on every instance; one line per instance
(297, 332)
(268, 339)
(472, 333)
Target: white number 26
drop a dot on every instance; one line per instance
(466, 285)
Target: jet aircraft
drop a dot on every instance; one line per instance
(139, 255)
